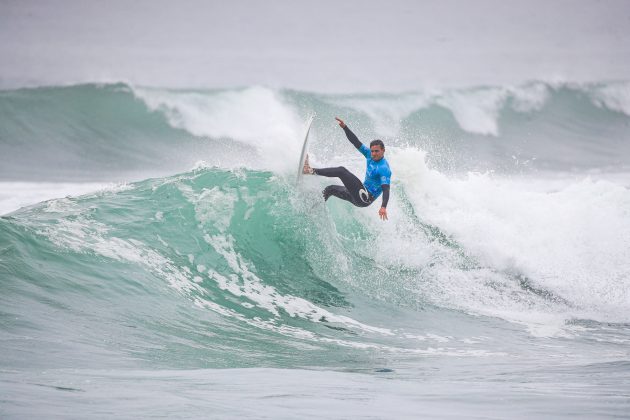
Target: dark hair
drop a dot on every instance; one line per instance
(377, 143)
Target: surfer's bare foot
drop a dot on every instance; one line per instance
(307, 168)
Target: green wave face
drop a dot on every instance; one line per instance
(221, 268)
(217, 268)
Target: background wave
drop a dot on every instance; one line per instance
(117, 132)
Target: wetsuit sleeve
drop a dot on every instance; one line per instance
(385, 179)
(385, 188)
(365, 151)
(352, 137)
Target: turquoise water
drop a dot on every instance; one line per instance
(500, 286)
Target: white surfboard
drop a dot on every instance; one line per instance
(304, 150)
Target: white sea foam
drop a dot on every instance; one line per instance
(211, 205)
(476, 111)
(14, 195)
(615, 96)
(386, 112)
(570, 241)
(529, 97)
(257, 117)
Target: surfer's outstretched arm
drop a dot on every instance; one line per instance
(351, 136)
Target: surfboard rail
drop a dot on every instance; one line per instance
(304, 149)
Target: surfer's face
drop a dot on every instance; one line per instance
(377, 152)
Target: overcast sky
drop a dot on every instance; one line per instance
(313, 45)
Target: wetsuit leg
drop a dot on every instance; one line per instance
(353, 189)
(338, 191)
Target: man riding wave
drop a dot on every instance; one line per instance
(377, 175)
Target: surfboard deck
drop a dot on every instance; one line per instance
(304, 150)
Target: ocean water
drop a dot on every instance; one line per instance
(158, 260)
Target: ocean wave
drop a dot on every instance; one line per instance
(613, 96)
(242, 245)
(118, 132)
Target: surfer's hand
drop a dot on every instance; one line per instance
(383, 213)
(341, 123)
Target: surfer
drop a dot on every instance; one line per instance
(377, 175)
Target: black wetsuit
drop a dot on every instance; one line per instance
(353, 190)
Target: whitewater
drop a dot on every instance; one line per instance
(157, 259)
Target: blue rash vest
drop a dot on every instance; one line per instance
(377, 173)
